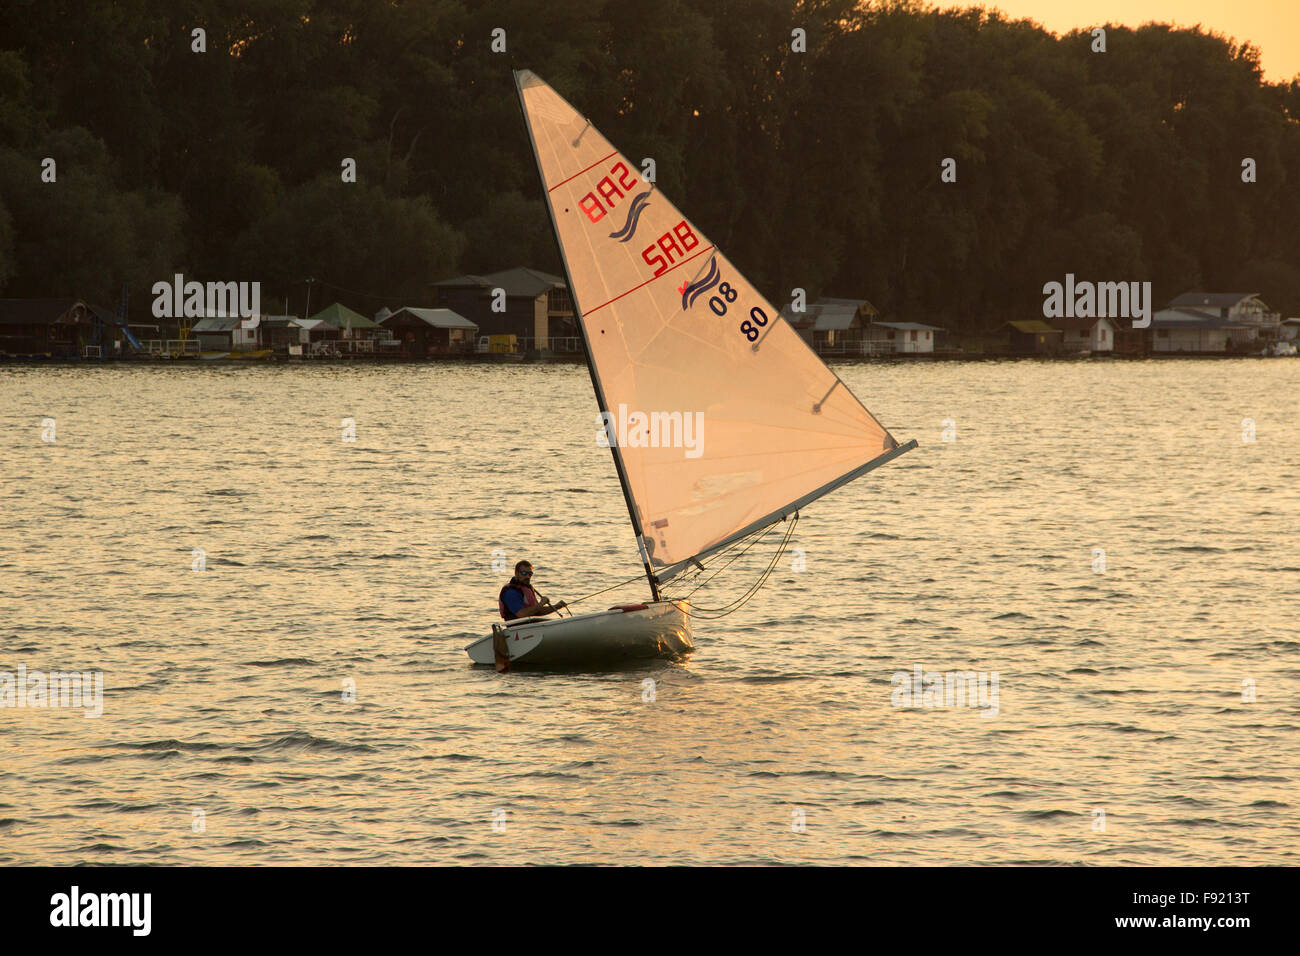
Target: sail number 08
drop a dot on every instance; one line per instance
(757, 317)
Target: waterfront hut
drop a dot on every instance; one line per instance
(318, 336)
(225, 334)
(1194, 330)
(1086, 334)
(537, 308)
(1032, 337)
(356, 332)
(901, 337)
(833, 325)
(279, 332)
(1245, 318)
(427, 332)
(54, 328)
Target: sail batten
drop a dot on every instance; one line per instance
(721, 416)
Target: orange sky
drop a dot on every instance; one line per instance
(1271, 25)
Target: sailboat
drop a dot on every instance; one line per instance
(675, 334)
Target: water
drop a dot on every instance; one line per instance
(371, 561)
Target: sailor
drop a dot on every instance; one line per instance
(518, 599)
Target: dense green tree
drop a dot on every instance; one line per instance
(817, 167)
(81, 232)
(353, 235)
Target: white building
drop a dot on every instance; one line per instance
(901, 337)
(1244, 308)
(225, 334)
(1086, 335)
(849, 327)
(1190, 330)
(1236, 321)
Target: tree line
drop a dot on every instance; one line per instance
(813, 163)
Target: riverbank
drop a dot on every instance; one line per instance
(514, 358)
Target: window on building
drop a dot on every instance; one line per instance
(914, 335)
(558, 301)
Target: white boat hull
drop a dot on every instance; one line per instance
(631, 631)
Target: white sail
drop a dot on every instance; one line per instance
(680, 340)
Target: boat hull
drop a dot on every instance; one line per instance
(630, 632)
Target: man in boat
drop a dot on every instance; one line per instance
(518, 599)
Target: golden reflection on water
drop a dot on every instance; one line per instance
(372, 561)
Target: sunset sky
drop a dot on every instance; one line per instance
(1271, 25)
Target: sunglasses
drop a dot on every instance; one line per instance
(526, 573)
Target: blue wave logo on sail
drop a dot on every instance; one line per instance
(694, 290)
(639, 202)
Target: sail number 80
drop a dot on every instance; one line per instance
(727, 294)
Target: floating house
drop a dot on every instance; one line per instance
(832, 325)
(357, 334)
(335, 330)
(1214, 322)
(280, 332)
(1086, 334)
(430, 332)
(1244, 308)
(1190, 330)
(1032, 337)
(835, 326)
(226, 334)
(351, 325)
(531, 305)
(901, 338)
(53, 328)
(318, 335)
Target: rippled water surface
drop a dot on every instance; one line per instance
(371, 561)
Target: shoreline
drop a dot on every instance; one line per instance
(570, 359)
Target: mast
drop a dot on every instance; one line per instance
(586, 348)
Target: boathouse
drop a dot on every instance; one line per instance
(901, 338)
(537, 307)
(833, 326)
(1032, 337)
(426, 332)
(225, 334)
(1245, 318)
(1086, 334)
(1192, 330)
(49, 328)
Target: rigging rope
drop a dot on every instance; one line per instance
(741, 554)
(639, 577)
(714, 613)
(745, 598)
